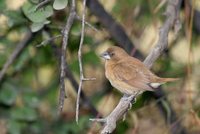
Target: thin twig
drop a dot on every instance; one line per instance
(172, 13)
(43, 43)
(190, 52)
(41, 4)
(80, 60)
(15, 53)
(82, 78)
(172, 17)
(160, 5)
(87, 23)
(74, 83)
(66, 31)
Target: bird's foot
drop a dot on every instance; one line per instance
(134, 100)
(129, 98)
(124, 117)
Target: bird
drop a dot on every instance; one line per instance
(128, 74)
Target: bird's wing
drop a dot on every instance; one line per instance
(132, 75)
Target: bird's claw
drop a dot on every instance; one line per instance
(134, 100)
(124, 117)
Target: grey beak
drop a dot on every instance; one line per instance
(105, 55)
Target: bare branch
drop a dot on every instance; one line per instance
(66, 31)
(172, 13)
(120, 110)
(43, 43)
(41, 4)
(82, 78)
(160, 5)
(87, 23)
(80, 60)
(74, 83)
(15, 53)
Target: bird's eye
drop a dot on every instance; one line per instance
(112, 54)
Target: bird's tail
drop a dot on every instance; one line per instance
(159, 81)
(163, 80)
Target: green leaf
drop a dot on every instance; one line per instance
(8, 94)
(36, 26)
(24, 113)
(60, 4)
(39, 15)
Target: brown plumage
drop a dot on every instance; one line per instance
(129, 75)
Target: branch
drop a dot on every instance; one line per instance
(74, 83)
(87, 23)
(66, 31)
(119, 112)
(172, 13)
(80, 60)
(196, 18)
(82, 78)
(41, 4)
(15, 53)
(44, 43)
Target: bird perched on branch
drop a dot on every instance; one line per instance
(128, 74)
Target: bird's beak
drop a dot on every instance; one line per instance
(105, 55)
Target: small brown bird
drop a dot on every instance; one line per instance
(129, 75)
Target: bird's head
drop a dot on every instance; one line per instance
(114, 53)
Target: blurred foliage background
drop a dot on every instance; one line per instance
(29, 89)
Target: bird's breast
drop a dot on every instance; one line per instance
(117, 83)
